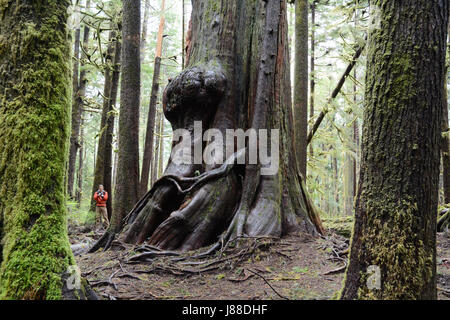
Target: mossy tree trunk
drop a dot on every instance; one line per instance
(237, 76)
(395, 227)
(35, 100)
(301, 83)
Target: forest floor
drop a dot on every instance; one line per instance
(296, 267)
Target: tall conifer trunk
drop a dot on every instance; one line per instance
(395, 227)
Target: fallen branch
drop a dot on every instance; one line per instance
(278, 294)
(337, 270)
(335, 92)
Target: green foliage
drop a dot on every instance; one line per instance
(80, 216)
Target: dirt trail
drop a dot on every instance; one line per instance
(294, 267)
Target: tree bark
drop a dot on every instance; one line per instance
(395, 223)
(301, 83)
(144, 29)
(99, 163)
(79, 192)
(77, 110)
(110, 121)
(161, 149)
(149, 136)
(446, 142)
(183, 33)
(35, 69)
(237, 77)
(155, 160)
(313, 65)
(126, 189)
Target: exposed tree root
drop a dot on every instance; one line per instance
(444, 221)
(186, 264)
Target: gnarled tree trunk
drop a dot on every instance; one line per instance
(237, 76)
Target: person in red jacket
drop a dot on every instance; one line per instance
(101, 212)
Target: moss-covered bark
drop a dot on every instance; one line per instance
(35, 99)
(395, 223)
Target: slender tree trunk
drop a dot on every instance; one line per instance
(161, 149)
(301, 83)
(446, 142)
(350, 157)
(34, 138)
(183, 33)
(446, 150)
(144, 30)
(99, 163)
(313, 64)
(103, 168)
(116, 157)
(349, 181)
(79, 192)
(110, 121)
(149, 136)
(394, 238)
(77, 110)
(126, 188)
(157, 147)
(75, 80)
(356, 141)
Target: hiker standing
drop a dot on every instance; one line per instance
(101, 212)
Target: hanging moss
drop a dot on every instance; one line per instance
(35, 98)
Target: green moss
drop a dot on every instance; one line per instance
(34, 131)
(393, 242)
(341, 225)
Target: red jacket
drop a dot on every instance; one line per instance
(101, 201)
